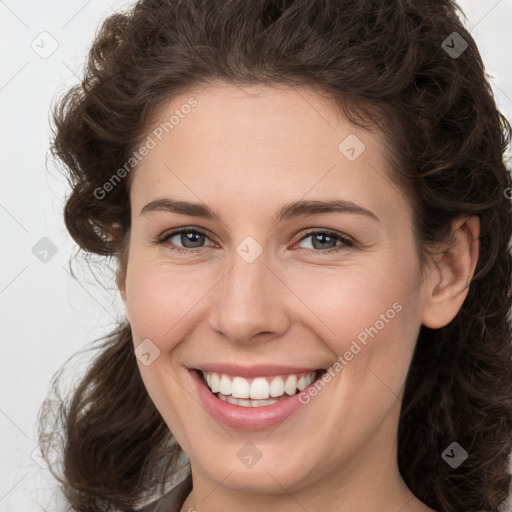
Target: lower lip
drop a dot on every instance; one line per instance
(246, 418)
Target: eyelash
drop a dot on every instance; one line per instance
(346, 242)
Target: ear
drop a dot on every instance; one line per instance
(115, 234)
(451, 270)
(121, 286)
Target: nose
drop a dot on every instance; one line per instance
(251, 301)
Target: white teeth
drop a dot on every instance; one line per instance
(259, 388)
(246, 403)
(290, 385)
(240, 388)
(277, 387)
(225, 385)
(214, 382)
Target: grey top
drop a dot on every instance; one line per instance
(173, 500)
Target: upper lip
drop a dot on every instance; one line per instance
(254, 370)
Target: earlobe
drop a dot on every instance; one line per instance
(447, 285)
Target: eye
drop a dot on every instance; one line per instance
(190, 238)
(326, 239)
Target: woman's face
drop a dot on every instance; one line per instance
(258, 290)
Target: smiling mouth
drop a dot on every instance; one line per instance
(258, 391)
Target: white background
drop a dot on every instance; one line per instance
(46, 314)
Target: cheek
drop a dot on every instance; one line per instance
(369, 320)
(368, 317)
(358, 302)
(161, 298)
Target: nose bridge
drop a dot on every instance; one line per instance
(246, 301)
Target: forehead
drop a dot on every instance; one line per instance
(258, 143)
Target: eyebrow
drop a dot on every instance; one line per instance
(289, 211)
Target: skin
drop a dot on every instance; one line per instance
(245, 153)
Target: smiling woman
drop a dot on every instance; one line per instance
(311, 226)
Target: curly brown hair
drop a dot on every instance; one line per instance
(386, 66)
